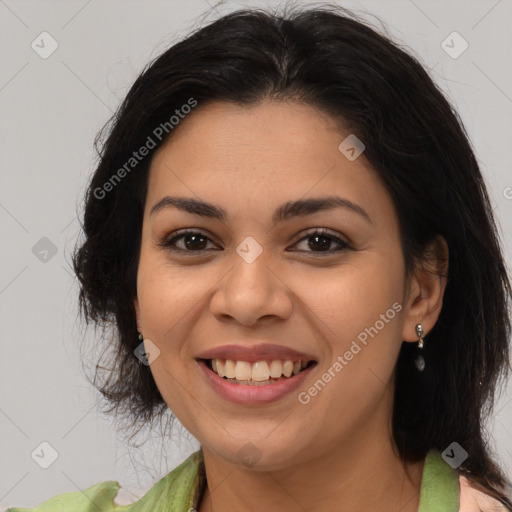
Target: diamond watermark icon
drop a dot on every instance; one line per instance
(44, 455)
(44, 250)
(249, 249)
(249, 455)
(352, 147)
(454, 45)
(454, 455)
(146, 352)
(44, 45)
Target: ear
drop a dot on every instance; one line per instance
(137, 314)
(425, 291)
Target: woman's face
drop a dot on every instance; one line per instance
(262, 278)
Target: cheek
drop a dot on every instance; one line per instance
(169, 302)
(357, 309)
(351, 297)
(165, 292)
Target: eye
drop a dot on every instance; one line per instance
(194, 242)
(320, 241)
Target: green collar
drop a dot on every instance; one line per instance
(183, 487)
(439, 485)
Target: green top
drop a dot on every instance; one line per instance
(183, 487)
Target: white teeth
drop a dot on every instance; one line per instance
(242, 370)
(229, 369)
(276, 369)
(287, 368)
(220, 368)
(260, 371)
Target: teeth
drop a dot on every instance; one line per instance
(276, 369)
(287, 368)
(220, 368)
(242, 370)
(259, 371)
(229, 369)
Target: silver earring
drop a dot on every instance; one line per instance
(420, 361)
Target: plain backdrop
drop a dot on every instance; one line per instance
(51, 108)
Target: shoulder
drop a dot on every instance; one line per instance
(182, 486)
(473, 499)
(101, 495)
(444, 488)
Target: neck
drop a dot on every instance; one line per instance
(364, 473)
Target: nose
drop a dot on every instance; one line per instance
(251, 292)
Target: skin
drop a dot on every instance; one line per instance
(249, 161)
(475, 500)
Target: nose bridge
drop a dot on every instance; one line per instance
(251, 269)
(252, 288)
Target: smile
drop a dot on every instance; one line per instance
(256, 373)
(252, 383)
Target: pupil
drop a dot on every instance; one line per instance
(194, 239)
(320, 246)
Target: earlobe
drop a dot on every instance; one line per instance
(427, 289)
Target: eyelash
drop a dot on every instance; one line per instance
(168, 243)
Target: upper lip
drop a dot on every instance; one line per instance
(255, 353)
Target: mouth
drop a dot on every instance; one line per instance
(254, 375)
(257, 373)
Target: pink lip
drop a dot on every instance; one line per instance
(254, 395)
(254, 353)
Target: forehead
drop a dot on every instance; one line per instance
(261, 154)
(267, 128)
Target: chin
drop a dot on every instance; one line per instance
(259, 454)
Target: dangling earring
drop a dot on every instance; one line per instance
(140, 338)
(420, 361)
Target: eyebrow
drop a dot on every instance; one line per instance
(286, 211)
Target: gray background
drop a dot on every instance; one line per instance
(51, 110)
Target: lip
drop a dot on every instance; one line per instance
(243, 394)
(251, 354)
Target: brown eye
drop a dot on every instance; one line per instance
(190, 241)
(321, 241)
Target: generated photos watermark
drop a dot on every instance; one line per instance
(343, 360)
(159, 133)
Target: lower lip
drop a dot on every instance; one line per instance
(254, 395)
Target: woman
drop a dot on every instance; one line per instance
(290, 233)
